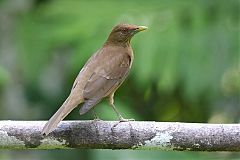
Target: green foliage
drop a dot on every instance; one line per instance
(4, 77)
(186, 65)
(189, 45)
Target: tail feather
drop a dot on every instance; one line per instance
(61, 113)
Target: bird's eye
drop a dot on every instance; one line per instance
(124, 31)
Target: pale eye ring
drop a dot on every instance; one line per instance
(124, 31)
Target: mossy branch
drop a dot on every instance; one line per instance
(124, 135)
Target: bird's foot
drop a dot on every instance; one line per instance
(96, 119)
(121, 119)
(126, 120)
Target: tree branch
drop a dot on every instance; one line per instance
(124, 135)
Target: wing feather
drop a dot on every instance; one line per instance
(106, 79)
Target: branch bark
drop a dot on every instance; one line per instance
(124, 135)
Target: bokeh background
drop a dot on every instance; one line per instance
(186, 68)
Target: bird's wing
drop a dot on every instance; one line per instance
(104, 80)
(92, 58)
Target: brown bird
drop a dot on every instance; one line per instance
(101, 76)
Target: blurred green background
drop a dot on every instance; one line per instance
(186, 67)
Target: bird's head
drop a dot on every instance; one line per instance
(122, 33)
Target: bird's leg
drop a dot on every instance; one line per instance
(96, 118)
(120, 117)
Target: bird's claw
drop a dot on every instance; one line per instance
(97, 119)
(122, 120)
(126, 120)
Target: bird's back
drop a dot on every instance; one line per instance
(110, 63)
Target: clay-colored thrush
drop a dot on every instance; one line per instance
(101, 76)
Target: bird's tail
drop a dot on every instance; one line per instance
(61, 113)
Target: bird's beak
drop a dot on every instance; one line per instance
(140, 28)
